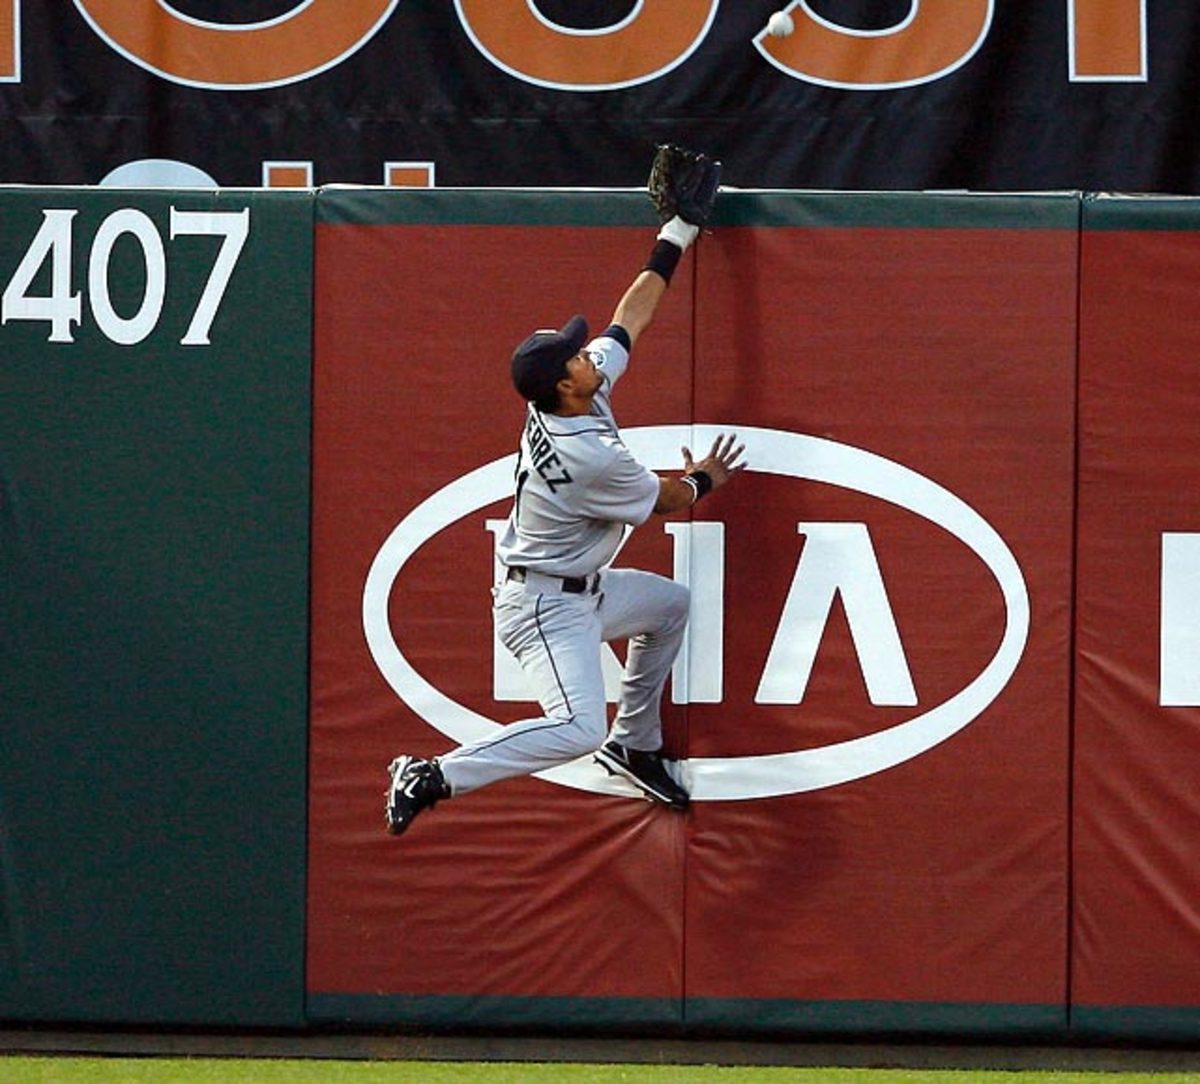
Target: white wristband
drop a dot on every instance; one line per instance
(678, 232)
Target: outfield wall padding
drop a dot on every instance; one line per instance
(1136, 855)
(154, 502)
(934, 704)
(902, 365)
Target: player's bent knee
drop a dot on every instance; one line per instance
(587, 731)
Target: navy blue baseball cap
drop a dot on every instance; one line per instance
(540, 362)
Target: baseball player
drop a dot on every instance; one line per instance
(577, 489)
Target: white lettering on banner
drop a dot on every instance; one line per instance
(10, 41)
(1107, 42)
(157, 173)
(936, 38)
(137, 225)
(508, 682)
(837, 558)
(652, 39)
(1179, 622)
(61, 308)
(698, 674)
(769, 451)
(170, 173)
(314, 36)
(233, 228)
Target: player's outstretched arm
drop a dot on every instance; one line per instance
(683, 188)
(635, 310)
(637, 306)
(723, 461)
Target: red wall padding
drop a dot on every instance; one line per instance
(1136, 859)
(943, 879)
(901, 369)
(527, 888)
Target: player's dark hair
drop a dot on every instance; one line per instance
(548, 403)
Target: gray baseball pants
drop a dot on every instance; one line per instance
(556, 637)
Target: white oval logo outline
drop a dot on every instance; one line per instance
(769, 451)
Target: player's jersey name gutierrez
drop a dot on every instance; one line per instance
(542, 455)
(577, 485)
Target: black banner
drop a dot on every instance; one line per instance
(1000, 95)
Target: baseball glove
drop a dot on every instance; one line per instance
(683, 183)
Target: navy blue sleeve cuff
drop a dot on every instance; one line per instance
(616, 331)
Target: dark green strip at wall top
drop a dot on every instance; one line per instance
(482, 207)
(611, 207)
(1112, 212)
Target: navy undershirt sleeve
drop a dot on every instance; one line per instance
(616, 331)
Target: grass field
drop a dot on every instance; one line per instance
(158, 1070)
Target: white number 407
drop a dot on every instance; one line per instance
(61, 308)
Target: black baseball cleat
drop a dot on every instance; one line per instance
(646, 771)
(416, 784)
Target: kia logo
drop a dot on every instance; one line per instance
(769, 451)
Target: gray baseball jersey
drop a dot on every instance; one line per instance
(577, 485)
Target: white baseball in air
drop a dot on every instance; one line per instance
(780, 25)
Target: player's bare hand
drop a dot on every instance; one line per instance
(724, 460)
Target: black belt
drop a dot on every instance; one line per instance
(572, 585)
